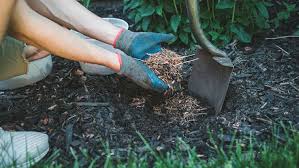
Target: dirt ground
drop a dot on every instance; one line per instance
(85, 111)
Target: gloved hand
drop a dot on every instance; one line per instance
(140, 74)
(140, 44)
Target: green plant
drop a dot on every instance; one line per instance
(281, 150)
(86, 3)
(284, 14)
(222, 20)
(160, 16)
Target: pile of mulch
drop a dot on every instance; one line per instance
(168, 66)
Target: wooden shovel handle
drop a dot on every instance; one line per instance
(193, 12)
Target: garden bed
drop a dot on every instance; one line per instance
(83, 111)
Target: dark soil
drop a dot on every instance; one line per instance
(85, 111)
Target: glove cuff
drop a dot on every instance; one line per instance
(121, 64)
(124, 41)
(117, 37)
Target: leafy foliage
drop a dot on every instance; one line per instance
(86, 3)
(222, 20)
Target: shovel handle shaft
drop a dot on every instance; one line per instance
(193, 12)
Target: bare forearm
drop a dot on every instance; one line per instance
(6, 8)
(73, 15)
(56, 39)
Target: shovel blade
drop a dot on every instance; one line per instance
(210, 78)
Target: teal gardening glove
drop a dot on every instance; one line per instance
(140, 44)
(140, 74)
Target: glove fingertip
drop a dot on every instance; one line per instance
(160, 86)
(167, 37)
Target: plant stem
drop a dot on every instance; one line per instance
(181, 8)
(209, 9)
(213, 9)
(164, 16)
(234, 12)
(175, 7)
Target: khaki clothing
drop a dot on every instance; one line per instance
(12, 62)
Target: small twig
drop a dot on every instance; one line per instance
(265, 121)
(259, 66)
(186, 62)
(91, 104)
(185, 56)
(85, 88)
(202, 109)
(294, 87)
(264, 105)
(74, 134)
(281, 37)
(229, 54)
(284, 51)
(274, 89)
(232, 44)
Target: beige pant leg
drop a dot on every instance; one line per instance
(12, 63)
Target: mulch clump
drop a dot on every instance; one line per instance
(168, 66)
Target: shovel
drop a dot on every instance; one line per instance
(211, 73)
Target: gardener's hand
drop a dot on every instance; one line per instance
(140, 74)
(140, 44)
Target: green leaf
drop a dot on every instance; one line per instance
(175, 22)
(184, 37)
(283, 15)
(242, 35)
(138, 17)
(136, 3)
(132, 4)
(132, 15)
(261, 22)
(296, 33)
(126, 2)
(225, 4)
(187, 29)
(214, 35)
(145, 23)
(262, 9)
(215, 24)
(86, 3)
(225, 38)
(159, 10)
(204, 24)
(290, 7)
(147, 11)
